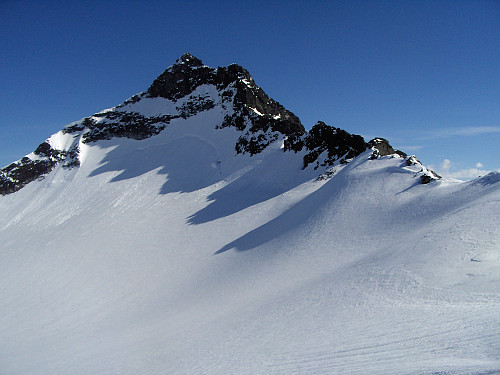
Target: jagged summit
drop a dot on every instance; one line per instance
(235, 84)
(189, 60)
(188, 89)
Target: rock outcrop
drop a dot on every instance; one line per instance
(339, 145)
(18, 174)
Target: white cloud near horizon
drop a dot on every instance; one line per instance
(462, 131)
(468, 174)
(446, 170)
(445, 165)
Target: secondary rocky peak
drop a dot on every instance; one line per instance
(381, 147)
(336, 144)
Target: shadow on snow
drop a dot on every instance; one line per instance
(190, 163)
(291, 219)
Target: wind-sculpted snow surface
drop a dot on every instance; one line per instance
(174, 254)
(109, 268)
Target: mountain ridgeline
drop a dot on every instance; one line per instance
(187, 89)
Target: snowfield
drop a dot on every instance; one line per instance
(173, 255)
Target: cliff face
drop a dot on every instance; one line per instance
(236, 86)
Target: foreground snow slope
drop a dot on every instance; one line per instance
(186, 231)
(171, 255)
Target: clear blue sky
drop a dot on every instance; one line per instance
(424, 74)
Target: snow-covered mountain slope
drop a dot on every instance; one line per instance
(163, 247)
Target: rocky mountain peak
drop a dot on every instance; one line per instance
(234, 82)
(191, 88)
(252, 109)
(188, 60)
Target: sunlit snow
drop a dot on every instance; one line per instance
(173, 255)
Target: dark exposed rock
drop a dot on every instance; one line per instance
(294, 142)
(339, 144)
(236, 120)
(427, 175)
(17, 175)
(254, 144)
(381, 147)
(276, 116)
(189, 60)
(45, 150)
(119, 124)
(262, 131)
(87, 122)
(71, 157)
(194, 105)
(412, 160)
(179, 81)
(425, 179)
(125, 124)
(251, 105)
